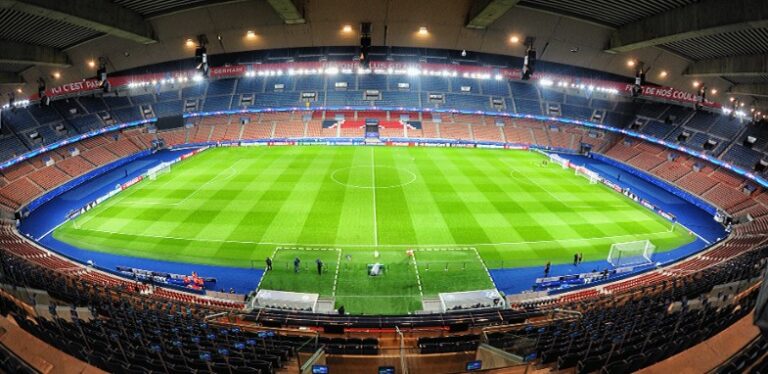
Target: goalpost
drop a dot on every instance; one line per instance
(593, 177)
(158, 170)
(631, 253)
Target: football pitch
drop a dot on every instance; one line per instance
(461, 211)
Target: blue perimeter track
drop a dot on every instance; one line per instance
(43, 220)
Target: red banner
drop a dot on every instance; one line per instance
(131, 182)
(228, 71)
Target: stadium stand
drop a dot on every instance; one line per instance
(644, 304)
(753, 358)
(79, 115)
(622, 326)
(99, 156)
(487, 133)
(455, 131)
(48, 178)
(258, 130)
(19, 191)
(645, 297)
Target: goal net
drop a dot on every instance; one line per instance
(631, 253)
(293, 301)
(556, 159)
(158, 170)
(480, 299)
(589, 174)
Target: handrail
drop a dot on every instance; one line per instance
(403, 363)
(569, 315)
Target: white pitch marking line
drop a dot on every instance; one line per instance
(375, 221)
(517, 172)
(335, 180)
(563, 202)
(689, 230)
(144, 203)
(418, 277)
(264, 275)
(417, 246)
(338, 262)
(336, 276)
(484, 267)
(90, 217)
(233, 172)
(375, 297)
(51, 230)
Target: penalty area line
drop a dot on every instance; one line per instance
(305, 249)
(479, 258)
(336, 275)
(264, 275)
(418, 277)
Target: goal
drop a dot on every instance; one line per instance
(285, 300)
(589, 174)
(452, 301)
(158, 170)
(631, 253)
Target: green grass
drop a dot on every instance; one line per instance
(235, 206)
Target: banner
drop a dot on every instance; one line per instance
(131, 182)
(376, 67)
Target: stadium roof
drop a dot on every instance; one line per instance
(716, 42)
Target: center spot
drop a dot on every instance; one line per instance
(373, 177)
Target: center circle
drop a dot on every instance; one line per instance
(372, 177)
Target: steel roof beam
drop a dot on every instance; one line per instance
(743, 66)
(98, 15)
(708, 17)
(756, 89)
(288, 11)
(7, 78)
(21, 53)
(486, 12)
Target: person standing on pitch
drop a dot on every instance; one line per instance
(575, 259)
(546, 269)
(269, 264)
(319, 267)
(296, 264)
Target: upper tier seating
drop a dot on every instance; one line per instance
(92, 104)
(44, 114)
(19, 119)
(701, 121)
(83, 114)
(10, 147)
(86, 123)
